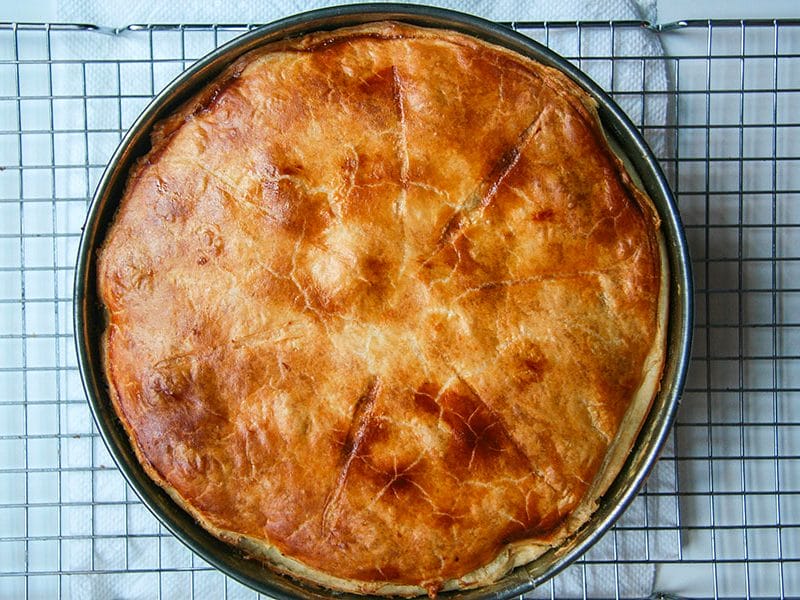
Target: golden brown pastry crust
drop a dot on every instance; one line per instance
(379, 301)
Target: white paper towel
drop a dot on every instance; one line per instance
(629, 579)
(118, 13)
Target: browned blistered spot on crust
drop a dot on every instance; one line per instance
(380, 298)
(545, 214)
(479, 437)
(532, 365)
(378, 275)
(425, 398)
(375, 432)
(375, 89)
(446, 520)
(395, 479)
(296, 211)
(535, 368)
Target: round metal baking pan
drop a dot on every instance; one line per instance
(90, 321)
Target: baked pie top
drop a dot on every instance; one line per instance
(384, 308)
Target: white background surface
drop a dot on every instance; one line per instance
(668, 10)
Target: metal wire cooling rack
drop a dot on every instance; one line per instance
(721, 513)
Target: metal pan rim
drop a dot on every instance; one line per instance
(88, 312)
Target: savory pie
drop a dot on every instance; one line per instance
(384, 308)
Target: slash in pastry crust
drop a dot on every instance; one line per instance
(384, 308)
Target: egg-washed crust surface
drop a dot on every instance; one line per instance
(384, 308)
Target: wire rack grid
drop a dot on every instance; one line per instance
(721, 512)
